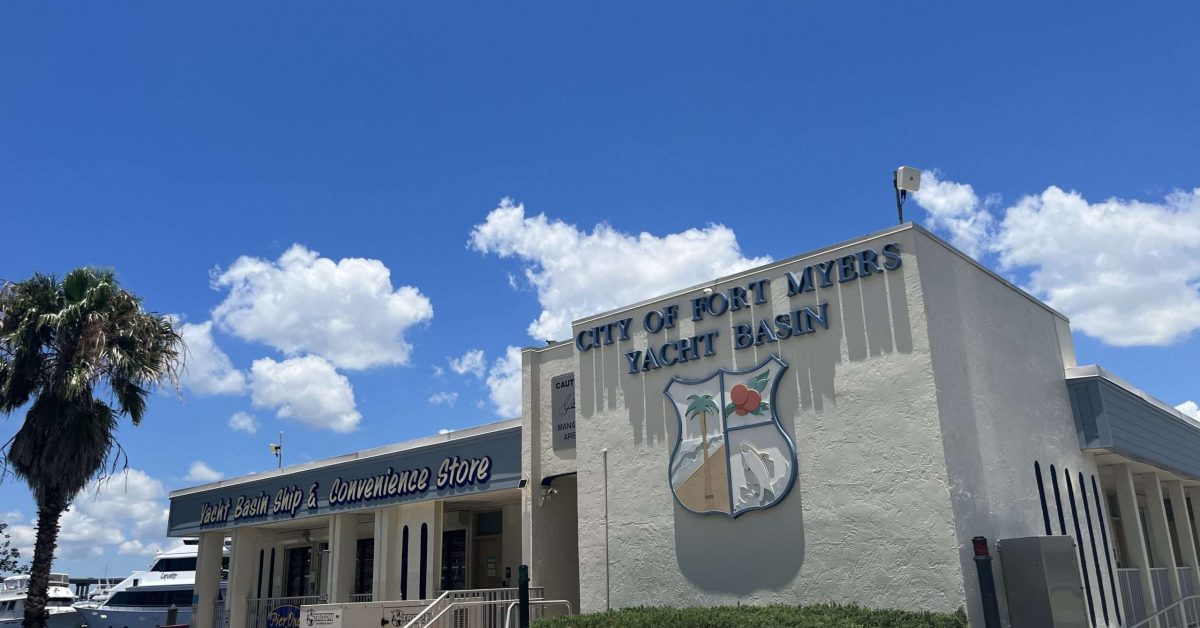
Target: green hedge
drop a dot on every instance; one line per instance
(815, 616)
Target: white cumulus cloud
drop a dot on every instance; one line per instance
(504, 383)
(578, 273)
(1189, 408)
(954, 209)
(307, 389)
(126, 514)
(345, 311)
(200, 472)
(472, 362)
(207, 369)
(243, 422)
(1124, 271)
(1127, 272)
(443, 398)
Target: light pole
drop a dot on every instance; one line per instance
(277, 449)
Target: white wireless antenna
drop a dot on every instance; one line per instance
(905, 179)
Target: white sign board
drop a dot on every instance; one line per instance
(562, 406)
(326, 616)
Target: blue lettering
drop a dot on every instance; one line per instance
(717, 311)
(743, 337)
(891, 255)
(760, 290)
(737, 298)
(579, 342)
(866, 260)
(623, 325)
(826, 270)
(670, 315)
(662, 352)
(802, 284)
(846, 270)
(764, 332)
(633, 356)
(650, 361)
(783, 326)
(653, 322)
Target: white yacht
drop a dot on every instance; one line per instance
(145, 599)
(58, 603)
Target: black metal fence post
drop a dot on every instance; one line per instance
(523, 595)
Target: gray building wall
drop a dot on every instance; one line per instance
(869, 519)
(998, 360)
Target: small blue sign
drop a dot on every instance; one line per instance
(284, 617)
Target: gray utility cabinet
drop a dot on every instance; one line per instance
(1042, 582)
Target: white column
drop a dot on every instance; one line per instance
(208, 577)
(1183, 527)
(242, 562)
(1160, 532)
(386, 572)
(428, 513)
(1131, 525)
(343, 544)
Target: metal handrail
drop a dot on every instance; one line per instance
(461, 604)
(1146, 622)
(508, 611)
(434, 610)
(412, 623)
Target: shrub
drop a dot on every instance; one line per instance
(781, 616)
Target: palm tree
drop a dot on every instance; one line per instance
(703, 405)
(81, 353)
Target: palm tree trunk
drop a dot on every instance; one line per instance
(708, 493)
(50, 508)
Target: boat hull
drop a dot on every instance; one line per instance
(66, 618)
(131, 618)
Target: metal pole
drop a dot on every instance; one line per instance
(280, 454)
(987, 583)
(607, 564)
(523, 596)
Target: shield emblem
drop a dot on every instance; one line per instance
(732, 455)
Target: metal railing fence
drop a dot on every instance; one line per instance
(1133, 598)
(1189, 606)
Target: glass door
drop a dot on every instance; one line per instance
(454, 560)
(299, 564)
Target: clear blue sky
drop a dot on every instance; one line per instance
(168, 139)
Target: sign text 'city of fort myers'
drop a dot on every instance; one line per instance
(453, 472)
(802, 321)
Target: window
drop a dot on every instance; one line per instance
(364, 566)
(489, 523)
(178, 597)
(176, 564)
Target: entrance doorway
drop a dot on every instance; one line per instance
(299, 566)
(488, 562)
(454, 560)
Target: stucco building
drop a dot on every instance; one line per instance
(836, 426)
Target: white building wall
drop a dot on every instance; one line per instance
(999, 359)
(549, 539)
(869, 519)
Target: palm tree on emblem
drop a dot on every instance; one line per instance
(703, 405)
